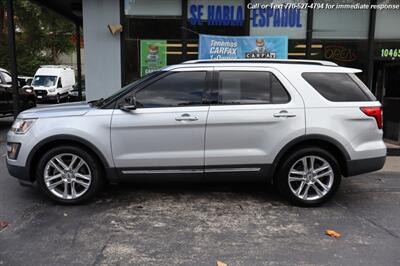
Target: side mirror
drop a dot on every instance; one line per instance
(129, 105)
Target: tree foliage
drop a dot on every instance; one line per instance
(41, 36)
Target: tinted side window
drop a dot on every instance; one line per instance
(336, 87)
(250, 87)
(176, 89)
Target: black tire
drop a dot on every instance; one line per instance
(290, 161)
(97, 179)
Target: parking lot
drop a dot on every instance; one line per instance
(198, 224)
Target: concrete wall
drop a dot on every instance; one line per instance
(102, 49)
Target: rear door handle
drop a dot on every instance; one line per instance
(284, 113)
(186, 117)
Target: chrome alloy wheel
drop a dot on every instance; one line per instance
(310, 178)
(67, 176)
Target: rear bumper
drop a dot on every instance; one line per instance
(362, 166)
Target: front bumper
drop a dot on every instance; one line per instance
(362, 166)
(19, 172)
(19, 166)
(46, 98)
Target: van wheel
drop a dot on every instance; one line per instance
(309, 177)
(69, 175)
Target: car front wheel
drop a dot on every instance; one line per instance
(309, 177)
(69, 174)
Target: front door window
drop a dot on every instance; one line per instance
(175, 90)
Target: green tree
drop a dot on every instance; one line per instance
(41, 36)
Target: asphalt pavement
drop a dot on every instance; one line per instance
(198, 224)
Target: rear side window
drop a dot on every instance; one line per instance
(337, 87)
(250, 87)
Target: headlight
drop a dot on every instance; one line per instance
(52, 90)
(29, 90)
(21, 126)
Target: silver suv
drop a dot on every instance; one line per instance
(298, 124)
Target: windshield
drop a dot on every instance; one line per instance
(45, 81)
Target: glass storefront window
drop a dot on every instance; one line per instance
(347, 53)
(339, 35)
(153, 8)
(392, 81)
(150, 20)
(153, 20)
(341, 23)
(387, 21)
(216, 17)
(291, 22)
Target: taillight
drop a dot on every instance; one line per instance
(375, 112)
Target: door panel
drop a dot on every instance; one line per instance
(159, 137)
(4, 104)
(249, 134)
(6, 100)
(166, 132)
(252, 134)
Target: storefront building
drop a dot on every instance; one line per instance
(363, 38)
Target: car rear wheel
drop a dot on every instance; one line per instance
(309, 177)
(69, 175)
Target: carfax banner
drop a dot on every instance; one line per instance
(243, 47)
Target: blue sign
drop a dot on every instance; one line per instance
(243, 47)
(216, 15)
(276, 17)
(230, 15)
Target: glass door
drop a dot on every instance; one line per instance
(391, 101)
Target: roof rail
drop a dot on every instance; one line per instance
(268, 61)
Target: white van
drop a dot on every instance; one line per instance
(53, 83)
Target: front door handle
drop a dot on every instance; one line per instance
(186, 117)
(284, 113)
